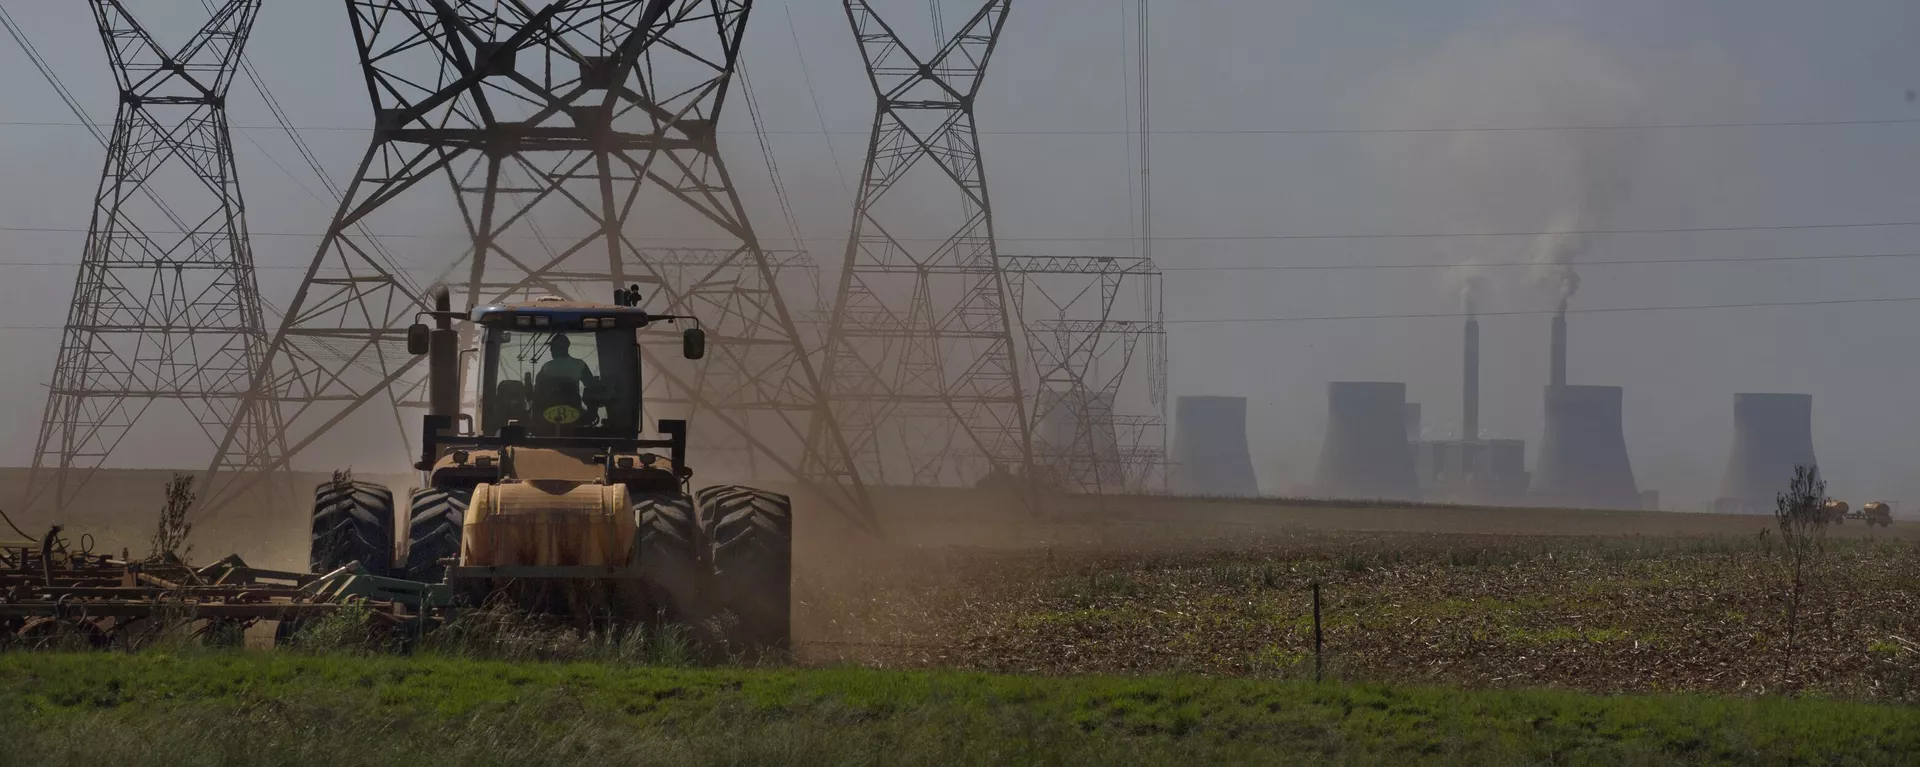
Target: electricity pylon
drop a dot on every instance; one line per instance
(565, 140)
(921, 365)
(166, 307)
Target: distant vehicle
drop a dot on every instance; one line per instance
(1880, 513)
(1875, 513)
(1835, 511)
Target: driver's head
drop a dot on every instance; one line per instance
(559, 345)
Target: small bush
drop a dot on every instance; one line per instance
(169, 543)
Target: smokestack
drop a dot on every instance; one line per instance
(1772, 433)
(1366, 454)
(1210, 447)
(1470, 383)
(1558, 375)
(1583, 455)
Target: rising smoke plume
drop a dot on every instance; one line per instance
(1602, 171)
(1538, 181)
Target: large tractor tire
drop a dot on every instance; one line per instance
(352, 522)
(667, 543)
(435, 519)
(749, 533)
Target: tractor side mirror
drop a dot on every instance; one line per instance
(693, 343)
(418, 339)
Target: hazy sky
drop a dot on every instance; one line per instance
(1226, 73)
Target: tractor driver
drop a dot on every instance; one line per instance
(559, 385)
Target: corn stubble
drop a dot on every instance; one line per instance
(1632, 614)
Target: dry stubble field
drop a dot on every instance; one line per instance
(1602, 601)
(1131, 631)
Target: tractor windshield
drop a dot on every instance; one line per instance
(562, 384)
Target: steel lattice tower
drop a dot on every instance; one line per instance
(559, 140)
(165, 306)
(1086, 339)
(921, 355)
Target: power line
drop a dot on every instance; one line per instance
(1445, 315)
(33, 54)
(1199, 131)
(1334, 267)
(1498, 264)
(1518, 312)
(69, 264)
(1177, 238)
(818, 113)
(313, 163)
(1427, 235)
(1145, 78)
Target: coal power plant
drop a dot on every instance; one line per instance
(1583, 453)
(1481, 471)
(1366, 453)
(1470, 469)
(1772, 434)
(1210, 447)
(1583, 448)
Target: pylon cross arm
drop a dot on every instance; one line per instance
(146, 72)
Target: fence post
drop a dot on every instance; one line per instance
(1316, 632)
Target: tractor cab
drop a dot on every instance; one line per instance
(553, 373)
(560, 369)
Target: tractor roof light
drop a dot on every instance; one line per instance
(523, 320)
(591, 323)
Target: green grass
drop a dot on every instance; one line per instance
(187, 707)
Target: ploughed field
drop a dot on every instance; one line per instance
(1487, 597)
(1221, 596)
(1118, 630)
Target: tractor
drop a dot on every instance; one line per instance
(549, 497)
(1875, 513)
(1835, 511)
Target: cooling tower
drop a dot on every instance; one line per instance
(1413, 420)
(1470, 382)
(1077, 432)
(1210, 447)
(1583, 455)
(1366, 454)
(1772, 433)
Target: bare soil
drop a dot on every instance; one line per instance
(1597, 600)
(1488, 597)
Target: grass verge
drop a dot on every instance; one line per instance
(293, 708)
